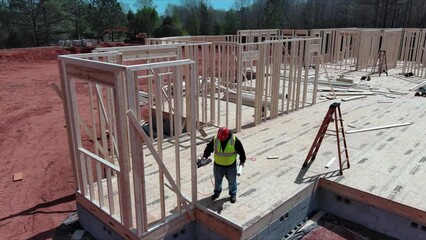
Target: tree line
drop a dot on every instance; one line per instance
(28, 23)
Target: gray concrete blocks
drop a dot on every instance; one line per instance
(261, 235)
(371, 217)
(289, 222)
(202, 232)
(94, 226)
(186, 233)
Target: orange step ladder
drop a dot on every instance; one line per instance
(381, 63)
(333, 111)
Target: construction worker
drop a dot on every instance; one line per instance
(225, 146)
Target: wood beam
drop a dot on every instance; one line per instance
(133, 120)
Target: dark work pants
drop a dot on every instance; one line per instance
(231, 175)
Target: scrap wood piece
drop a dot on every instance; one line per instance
(339, 90)
(354, 94)
(389, 96)
(378, 128)
(352, 98)
(57, 90)
(397, 92)
(346, 80)
(330, 162)
(379, 91)
(18, 176)
(202, 132)
(415, 88)
(327, 77)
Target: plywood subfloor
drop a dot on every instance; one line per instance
(389, 163)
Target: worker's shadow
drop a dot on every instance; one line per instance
(301, 178)
(216, 205)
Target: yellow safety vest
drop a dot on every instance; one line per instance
(227, 157)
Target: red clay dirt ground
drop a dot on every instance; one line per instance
(33, 141)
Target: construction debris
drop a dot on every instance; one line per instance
(377, 128)
(397, 92)
(18, 176)
(345, 80)
(389, 96)
(353, 98)
(379, 91)
(78, 234)
(202, 132)
(421, 92)
(330, 162)
(365, 77)
(339, 90)
(418, 86)
(355, 94)
(333, 83)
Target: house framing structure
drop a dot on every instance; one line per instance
(131, 108)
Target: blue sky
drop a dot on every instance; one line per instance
(161, 4)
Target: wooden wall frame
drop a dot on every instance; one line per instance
(101, 173)
(413, 52)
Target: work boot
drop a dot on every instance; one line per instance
(233, 198)
(215, 196)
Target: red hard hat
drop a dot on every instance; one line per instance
(223, 133)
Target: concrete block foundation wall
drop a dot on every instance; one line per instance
(279, 228)
(94, 226)
(187, 232)
(289, 221)
(195, 230)
(370, 216)
(100, 230)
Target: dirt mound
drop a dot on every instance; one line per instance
(114, 44)
(31, 54)
(39, 54)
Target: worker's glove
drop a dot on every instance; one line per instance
(203, 161)
(242, 163)
(200, 161)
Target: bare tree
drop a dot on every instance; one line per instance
(191, 17)
(206, 23)
(144, 4)
(242, 7)
(255, 14)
